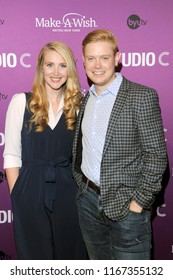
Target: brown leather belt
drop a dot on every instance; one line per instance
(91, 184)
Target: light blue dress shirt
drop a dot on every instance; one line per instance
(94, 128)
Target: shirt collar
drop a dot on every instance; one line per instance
(61, 105)
(111, 88)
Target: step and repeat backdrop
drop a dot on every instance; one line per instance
(145, 36)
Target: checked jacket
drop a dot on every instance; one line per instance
(134, 155)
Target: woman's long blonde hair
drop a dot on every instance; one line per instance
(39, 104)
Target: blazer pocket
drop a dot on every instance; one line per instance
(123, 194)
(128, 180)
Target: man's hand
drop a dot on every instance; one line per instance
(135, 207)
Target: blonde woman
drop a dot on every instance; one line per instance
(37, 158)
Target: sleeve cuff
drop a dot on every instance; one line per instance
(11, 161)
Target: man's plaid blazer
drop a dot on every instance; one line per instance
(134, 155)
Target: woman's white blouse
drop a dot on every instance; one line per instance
(13, 127)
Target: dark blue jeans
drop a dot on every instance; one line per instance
(105, 239)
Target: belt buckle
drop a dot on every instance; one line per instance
(87, 181)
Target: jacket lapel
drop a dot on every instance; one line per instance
(77, 144)
(81, 112)
(116, 111)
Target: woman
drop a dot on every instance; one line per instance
(37, 158)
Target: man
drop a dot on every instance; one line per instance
(119, 156)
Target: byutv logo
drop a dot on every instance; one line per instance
(135, 22)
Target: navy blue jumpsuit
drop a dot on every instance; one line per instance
(43, 198)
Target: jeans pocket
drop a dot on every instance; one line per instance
(135, 213)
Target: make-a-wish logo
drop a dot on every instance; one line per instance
(135, 22)
(71, 22)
